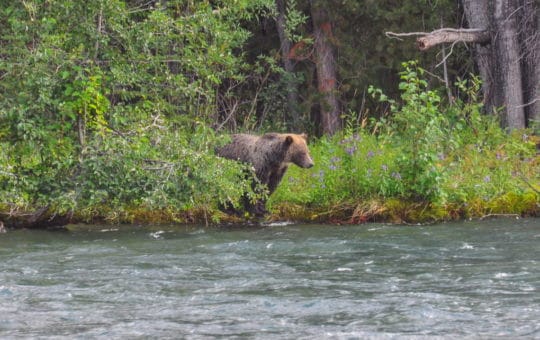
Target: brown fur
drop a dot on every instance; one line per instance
(270, 155)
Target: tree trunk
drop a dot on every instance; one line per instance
(325, 63)
(506, 50)
(530, 45)
(477, 13)
(285, 46)
(508, 55)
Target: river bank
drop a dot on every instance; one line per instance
(426, 162)
(376, 210)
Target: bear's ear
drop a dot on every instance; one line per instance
(288, 140)
(304, 135)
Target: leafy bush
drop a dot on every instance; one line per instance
(106, 107)
(155, 170)
(419, 129)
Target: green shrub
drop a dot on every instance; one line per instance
(419, 129)
(109, 109)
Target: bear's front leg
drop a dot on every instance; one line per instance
(260, 208)
(274, 178)
(257, 209)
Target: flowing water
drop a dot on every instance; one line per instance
(468, 279)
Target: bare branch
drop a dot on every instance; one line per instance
(232, 112)
(455, 30)
(155, 123)
(445, 35)
(529, 103)
(524, 179)
(399, 35)
(446, 56)
(498, 215)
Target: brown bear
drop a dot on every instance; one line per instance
(270, 155)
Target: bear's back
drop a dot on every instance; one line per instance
(241, 148)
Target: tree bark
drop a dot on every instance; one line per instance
(530, 45)
(325, 63)
(285, 47)
(477, 14)
(509, 62)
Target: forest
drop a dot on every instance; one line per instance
(416, 110)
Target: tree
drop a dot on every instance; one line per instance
(288, 65)
(530, 45)
(325, 63)
(507, 43)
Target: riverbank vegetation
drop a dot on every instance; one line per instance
(110, 111)
(429, 161)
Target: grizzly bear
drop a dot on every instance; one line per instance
(270, 155)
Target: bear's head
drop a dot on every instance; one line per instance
(297, 150)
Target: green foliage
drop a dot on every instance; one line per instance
(426, 151)
(293, 19)
(419, 129)
(186, 175)
(85, 99)
(107, 103)
(151, 170)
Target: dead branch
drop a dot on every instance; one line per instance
(155, 123)
(445, 35)
(231, 113)
(529, 103)
(446, 56)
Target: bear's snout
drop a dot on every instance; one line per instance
(309, 163)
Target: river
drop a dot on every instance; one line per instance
(466, 279)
